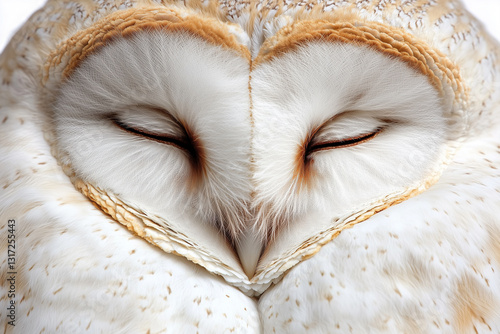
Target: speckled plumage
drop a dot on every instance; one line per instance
(342, 255)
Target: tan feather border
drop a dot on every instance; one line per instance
(391, 41)
(126, 23)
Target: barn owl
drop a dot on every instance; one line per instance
(250, 167)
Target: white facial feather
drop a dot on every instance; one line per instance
(141, 80)
(342, 91)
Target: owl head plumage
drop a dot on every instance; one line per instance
(245, 136)
(249, 122)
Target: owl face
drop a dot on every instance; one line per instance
(258, 166)
(197, 138)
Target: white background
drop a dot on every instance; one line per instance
(14, 12)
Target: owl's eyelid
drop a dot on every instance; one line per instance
(180, 143)
(313, 146)
(342, 143)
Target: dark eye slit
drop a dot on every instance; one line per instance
(169, 140)
(342, 143)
